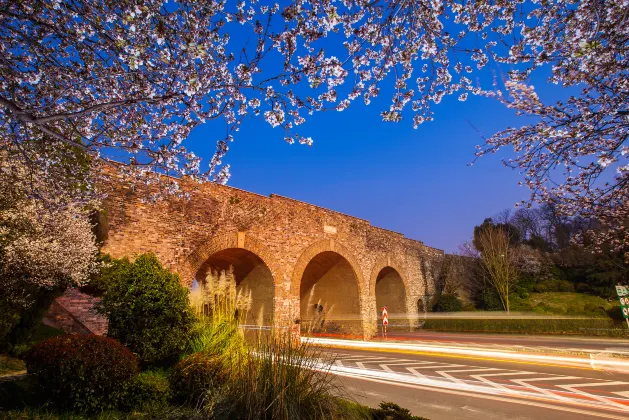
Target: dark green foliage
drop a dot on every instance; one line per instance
(448, 303)
(512, 232)
(111, 270)
(81, 372)
(391, 411)
(197, 374)
(490, 301)
(593, 273)
(148, 310)
(537, 242)
(554, 286)
(147, 389)
(40, 333)
(18, 323)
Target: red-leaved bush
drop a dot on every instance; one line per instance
(81, 372)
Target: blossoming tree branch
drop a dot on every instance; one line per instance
(126, 81)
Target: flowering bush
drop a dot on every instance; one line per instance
(46, 244)
(82, 372)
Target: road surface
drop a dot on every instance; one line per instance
(461, 387)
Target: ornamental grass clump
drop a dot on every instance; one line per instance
(198, 377)
(232, 377)
(219, 306)
(279, 379)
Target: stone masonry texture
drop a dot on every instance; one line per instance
(75, 312)
(217, 225)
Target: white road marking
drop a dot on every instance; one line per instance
(588, 413)
(388, 369)
(497, 385)
(446, 373)
(574, 388)
(377, 361)
(525, 383)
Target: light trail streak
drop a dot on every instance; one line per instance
(612, 364)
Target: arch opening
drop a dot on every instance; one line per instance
(254, 282)
(390, 292)
(329, 296)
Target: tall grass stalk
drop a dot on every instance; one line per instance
(219, 306)
(272, 377)
(281, 379)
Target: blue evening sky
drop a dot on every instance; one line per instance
(413, 181)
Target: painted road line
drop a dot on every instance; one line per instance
(525, 383)
(446, 373)
(362, 364)
(497, 385)
(585, 412)
(388, 369)
(575, 388)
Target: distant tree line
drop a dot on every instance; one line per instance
(530, 250)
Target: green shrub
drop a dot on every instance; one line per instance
(109, 272)
(565, 286)
(448, 303)
(81, 372)
(148, 310)
(148, 389)
(391, 411)
(195, 376)
(491, 301)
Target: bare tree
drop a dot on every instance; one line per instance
(498, 261)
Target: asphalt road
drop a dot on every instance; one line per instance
(461, 387)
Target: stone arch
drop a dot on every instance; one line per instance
(330, 259)
(316, 248)
(382, 263)
(388, 286)
(193, 262)
(255, 271)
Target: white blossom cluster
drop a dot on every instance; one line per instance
(46, 242)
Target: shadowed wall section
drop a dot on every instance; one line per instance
(329, 296)
(390, 292)
(254, 281)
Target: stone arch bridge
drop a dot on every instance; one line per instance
(304, 266)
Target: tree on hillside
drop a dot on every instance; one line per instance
(127, 81)
(498, 261)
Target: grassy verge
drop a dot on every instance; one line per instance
(9, 365)
(566, 303)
